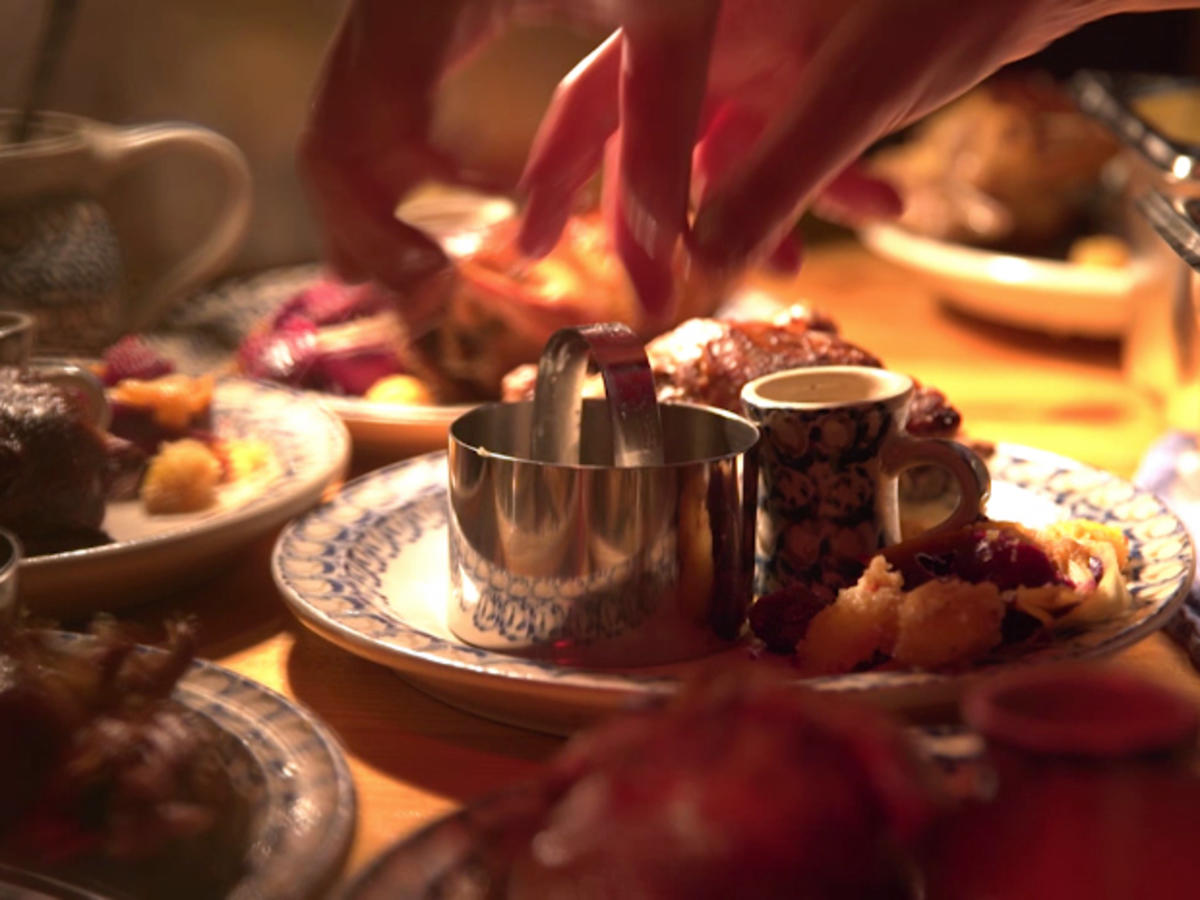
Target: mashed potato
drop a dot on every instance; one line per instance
(181, 478)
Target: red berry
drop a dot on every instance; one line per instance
(781, 619)
(132, 357)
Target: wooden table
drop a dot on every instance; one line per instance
(415, 759)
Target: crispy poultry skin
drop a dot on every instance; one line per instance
(708, 361)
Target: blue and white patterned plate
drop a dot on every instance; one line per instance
(154, 554)
(291, 769)
(368, 570)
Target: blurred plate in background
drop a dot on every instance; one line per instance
(1031, 292)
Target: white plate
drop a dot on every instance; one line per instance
(1031, 292)
(153, 555)
(368, 570)
(289, 767)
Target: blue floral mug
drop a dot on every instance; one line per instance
(833, 445)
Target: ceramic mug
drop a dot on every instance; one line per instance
(66, 226)
(833, 445)
(17, 334)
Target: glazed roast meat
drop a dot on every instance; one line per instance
(53, 466)
(709, 361)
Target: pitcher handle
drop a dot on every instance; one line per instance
(123, 148)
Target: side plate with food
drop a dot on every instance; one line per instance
(291, 449)
(230, 790)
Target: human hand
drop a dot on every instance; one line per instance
(747, 110)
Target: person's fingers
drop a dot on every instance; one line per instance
(855, 196)
(610, 180)
(568, 146)
(366, 143)
(731, 131)
(363, 237)
(868, 76)
(663, 80)
(881, 66)
(785, 259)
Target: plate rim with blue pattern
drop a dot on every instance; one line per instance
(346, 606)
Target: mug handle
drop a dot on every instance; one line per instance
(123, 148)
(78, 379)
(902, 452)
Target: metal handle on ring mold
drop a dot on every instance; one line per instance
(617, 352)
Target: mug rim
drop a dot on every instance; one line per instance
(895, 385)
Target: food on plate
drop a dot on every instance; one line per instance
(168, 415)
(59, 472)
(708, 361)
(181, 478)
(1101, 251)
(733, 790)
(403, 389)
(55, 466)
(106, 781)
(1011, 165)
(331, 337)
(152, 403)
(244, 458)
(495, 311)
(948, 599)
(150, 412)
(500, 309)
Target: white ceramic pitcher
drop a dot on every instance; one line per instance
(61, 257)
